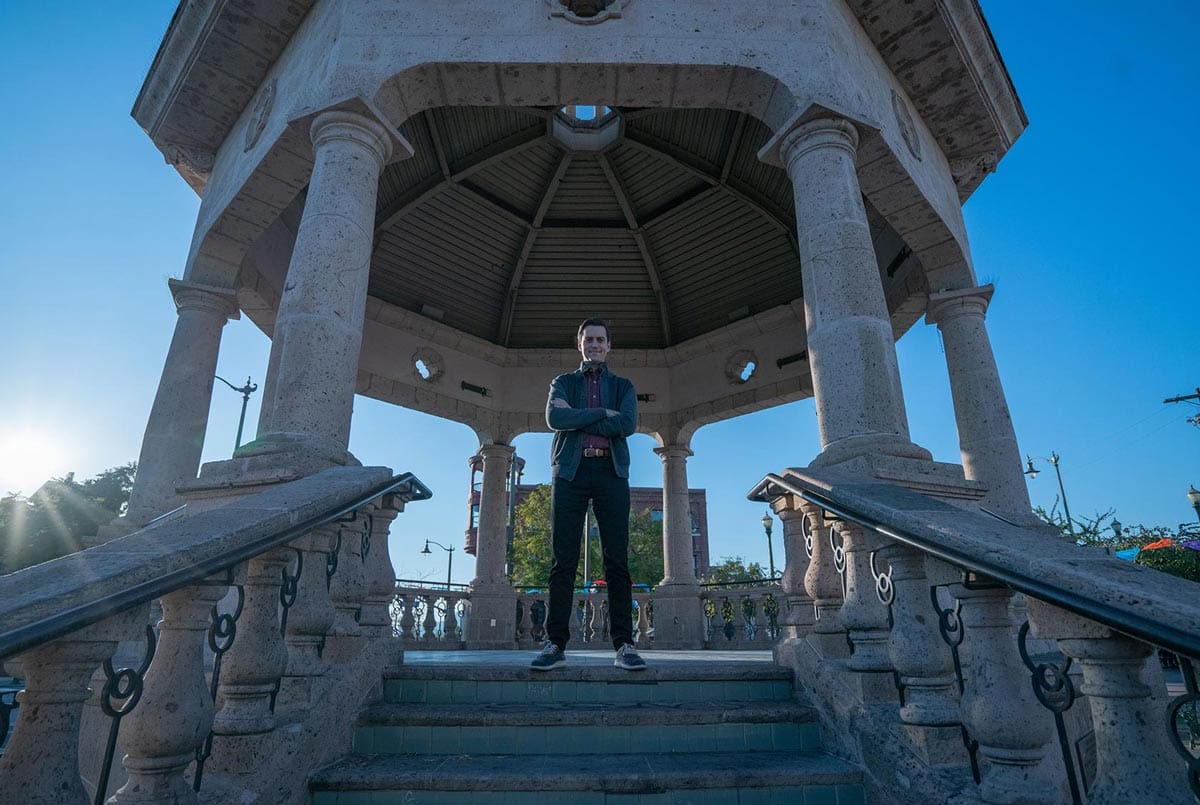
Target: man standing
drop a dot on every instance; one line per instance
(592, 412)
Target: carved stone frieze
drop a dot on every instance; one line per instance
(262, 110)
(968, 171)
(904, 121)
(194, 162)
(587, 12)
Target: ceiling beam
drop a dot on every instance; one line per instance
(451, 175)
(618, 188)
(514, 280)
(660, 149)
(731, 147)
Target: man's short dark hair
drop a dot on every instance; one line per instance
(593, 322)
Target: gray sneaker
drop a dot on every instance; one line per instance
(627, 658)
(549, 658)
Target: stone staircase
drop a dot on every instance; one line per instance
(709, 730)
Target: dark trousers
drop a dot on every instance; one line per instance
(598, 482)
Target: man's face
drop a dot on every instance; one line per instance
(593, 344)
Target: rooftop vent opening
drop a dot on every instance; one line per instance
(586, 127)
(747, 372)
(422, 369)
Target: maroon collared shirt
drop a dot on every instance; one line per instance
(592, 380)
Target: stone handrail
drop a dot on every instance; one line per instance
(992, 640)
(262, 597)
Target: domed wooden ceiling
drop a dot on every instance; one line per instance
(513, 225)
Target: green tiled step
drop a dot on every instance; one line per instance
(472, 685)
(580, 729)
(752, 778)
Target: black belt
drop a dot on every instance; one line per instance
(595, 452)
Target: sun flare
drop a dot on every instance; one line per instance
(28, 458)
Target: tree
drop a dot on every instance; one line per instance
(53, 521)
(533, 554)
(1099, 531)
(734, 569)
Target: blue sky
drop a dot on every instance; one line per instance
(1083, 229)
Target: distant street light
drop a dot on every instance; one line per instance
(767, 521)
(1194, 498)
(1033, 473)
(245, 391)
(449, 561)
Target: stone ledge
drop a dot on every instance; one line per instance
(658, 672)
(611, 773)
(596, 714)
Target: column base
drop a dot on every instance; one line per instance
(492, 621)
(868, 445)
(678, 617)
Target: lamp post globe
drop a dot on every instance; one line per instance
(767, 521)
(1193, 495)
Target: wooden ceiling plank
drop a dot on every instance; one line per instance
(435, 137)
(514, 283)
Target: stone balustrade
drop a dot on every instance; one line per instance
(262, 639)
(976, 656)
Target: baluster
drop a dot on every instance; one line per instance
(408, 620)
(797, 606)
(375, 618)
(823, 583)
(643, 622)
(1134, 760)
(998, 706)
(160, 737)
(525, 623)
(863, 615)
(450, 622)
(429, 627)
(257, 658)
(309, 617)
(921, 659)
(41, 764)
(347, 584)
(750, 610)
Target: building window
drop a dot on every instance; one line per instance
(475, 515)
(656, 515)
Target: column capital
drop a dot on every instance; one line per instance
(824, 132)
(351, 127)
(946, 305)
(673, 451)
(210, 298)
(493, 450)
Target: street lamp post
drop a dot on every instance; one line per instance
(245, 391)
(1033, 473)
(766, 522)
(1194, 498)
(449, 560)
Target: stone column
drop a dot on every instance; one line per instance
(856, 378)
(492, 623)
(678, 616)
(321, 312)
(174, 435)
(308, 619)
(376, 616)
(985, 429)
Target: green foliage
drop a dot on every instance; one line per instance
(734, 568)
(1099, 531)
(53, 520)
(533, 554)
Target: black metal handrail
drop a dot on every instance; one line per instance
(1123, 619)
(14, 641)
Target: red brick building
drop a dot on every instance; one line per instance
(641, 498)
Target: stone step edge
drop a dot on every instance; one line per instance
(552, 714)
(614, 774)
(666, 672)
